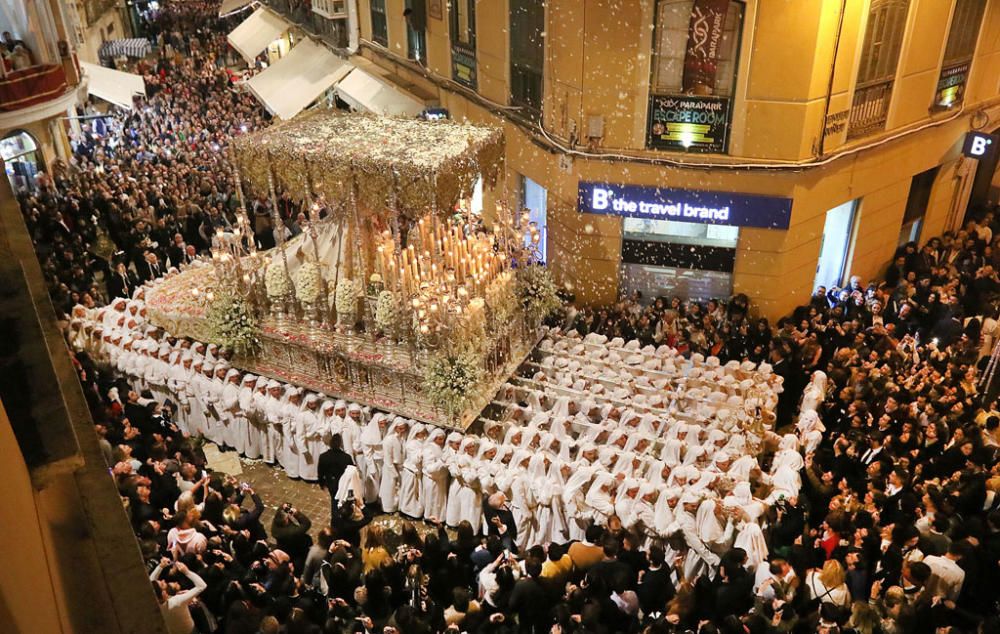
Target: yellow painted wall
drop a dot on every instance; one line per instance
(798, 65)
(28, 601)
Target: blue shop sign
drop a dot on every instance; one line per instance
(685, 205)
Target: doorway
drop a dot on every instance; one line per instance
(534, 199)
(916, 206)
(21, 158)
(838, 230)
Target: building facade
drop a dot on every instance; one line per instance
(709, 147)
(38, 91)
(96, 22)
(72, 563)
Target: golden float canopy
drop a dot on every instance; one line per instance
(407, 165)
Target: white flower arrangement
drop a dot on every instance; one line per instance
(449, 379)
(308, 283)
(385, 311)
(346, 297)
(232, 324)
(537, 291)
(276, 281)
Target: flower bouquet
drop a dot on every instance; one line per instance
(450, 379)
(278, 287)
(309, 289)
(386, 313)
(346, 302)
(233, 325)
(537, 291)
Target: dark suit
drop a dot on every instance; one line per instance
(121, 285)
(655, 590)
(332, 464)
(149, 271)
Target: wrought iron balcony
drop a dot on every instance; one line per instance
(869, 109)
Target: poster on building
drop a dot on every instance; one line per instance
(951, 85)
(463, 67)
(701, 58)
(689, 123)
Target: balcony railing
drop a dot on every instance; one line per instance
(31, 86)
(333, 31)
(869, 109)
(526, 87)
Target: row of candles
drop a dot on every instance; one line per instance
(439, 255)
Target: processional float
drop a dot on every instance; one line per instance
(394, 294)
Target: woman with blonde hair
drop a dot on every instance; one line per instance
(375, 555)
(864, 618)
(828, 585)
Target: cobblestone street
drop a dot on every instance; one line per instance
(275, 488)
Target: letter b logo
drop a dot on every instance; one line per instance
(979, 145)
(600, 198)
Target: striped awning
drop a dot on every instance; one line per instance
(131, 47)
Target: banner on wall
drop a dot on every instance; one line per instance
(701, 58)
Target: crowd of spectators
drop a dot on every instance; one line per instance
(146, 188)
(897, 529)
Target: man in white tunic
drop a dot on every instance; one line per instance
(310, 435)
(578, 515)
(411, 476)
(699, 558)
(289, 416)
(234, 435)
(466, 495)
(351, 434)
(392, 464)
(272, 413)
(205, 398)
(247, 413)
(177, 383)
(435, 476)
(371, 450)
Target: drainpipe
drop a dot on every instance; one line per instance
(829, 85)
(353, 27)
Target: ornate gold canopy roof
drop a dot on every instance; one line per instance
(407, 165)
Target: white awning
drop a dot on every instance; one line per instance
(255, 33)
(113, 85)
(231, 6)
(368, 93)
(298, 78)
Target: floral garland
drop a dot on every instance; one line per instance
(537, 291)
(346, 297)
(275, 280)
(308, 282)
(449, 380)
(385, 311)
(233, 325)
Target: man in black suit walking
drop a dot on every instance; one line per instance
(332, 464)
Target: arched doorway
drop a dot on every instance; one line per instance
(22, 159)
